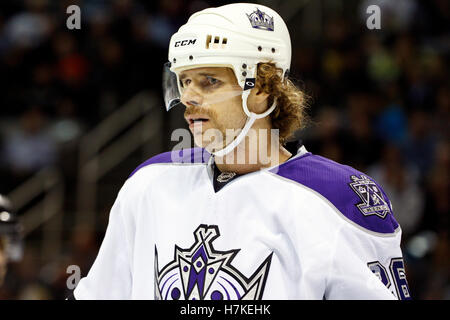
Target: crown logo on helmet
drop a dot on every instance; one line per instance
(260, 20)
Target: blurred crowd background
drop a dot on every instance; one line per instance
(379, 102)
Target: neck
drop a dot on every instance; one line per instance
(260, 149)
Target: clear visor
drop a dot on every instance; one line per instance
(206, 93)
(172, 96)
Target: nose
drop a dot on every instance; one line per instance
(191, 97)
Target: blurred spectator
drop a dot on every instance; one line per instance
(81, 252)
(420, 146)
(165, 22)
(438, 207)
(400, 183)
(71, 66)
(35, 291)
(391, 124)
(327, 136)
(438, 283)
(29, 28)
(361, 146)
(29, 147)
(440, 120)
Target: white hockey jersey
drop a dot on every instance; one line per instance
(309, 228)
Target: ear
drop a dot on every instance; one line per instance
(260, 95)
(257, 101)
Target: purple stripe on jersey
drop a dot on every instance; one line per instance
(232, 285)
(224, 289)
(193, 155)
(334, 181)
(162, 288)
(168, 290)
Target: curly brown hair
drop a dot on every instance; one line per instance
(290, 114)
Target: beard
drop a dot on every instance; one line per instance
(219, 130)
(214, 137)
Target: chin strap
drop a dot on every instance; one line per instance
(251, 118)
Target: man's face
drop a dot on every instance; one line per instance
(212, 97)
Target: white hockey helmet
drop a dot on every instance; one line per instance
(238, 36)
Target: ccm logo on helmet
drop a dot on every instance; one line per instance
(183, 43)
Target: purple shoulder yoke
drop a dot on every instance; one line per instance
(193, 155)
(357, 196)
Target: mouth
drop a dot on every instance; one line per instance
(195, 120)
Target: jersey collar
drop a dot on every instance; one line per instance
(221, 179)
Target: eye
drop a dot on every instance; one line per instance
(185, 82)
(212, 80)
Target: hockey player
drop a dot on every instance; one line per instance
(241, 217)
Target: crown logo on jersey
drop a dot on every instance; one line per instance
(260, 20)
(203, 273)
(373, 202)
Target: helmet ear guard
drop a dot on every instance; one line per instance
(239, 36)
